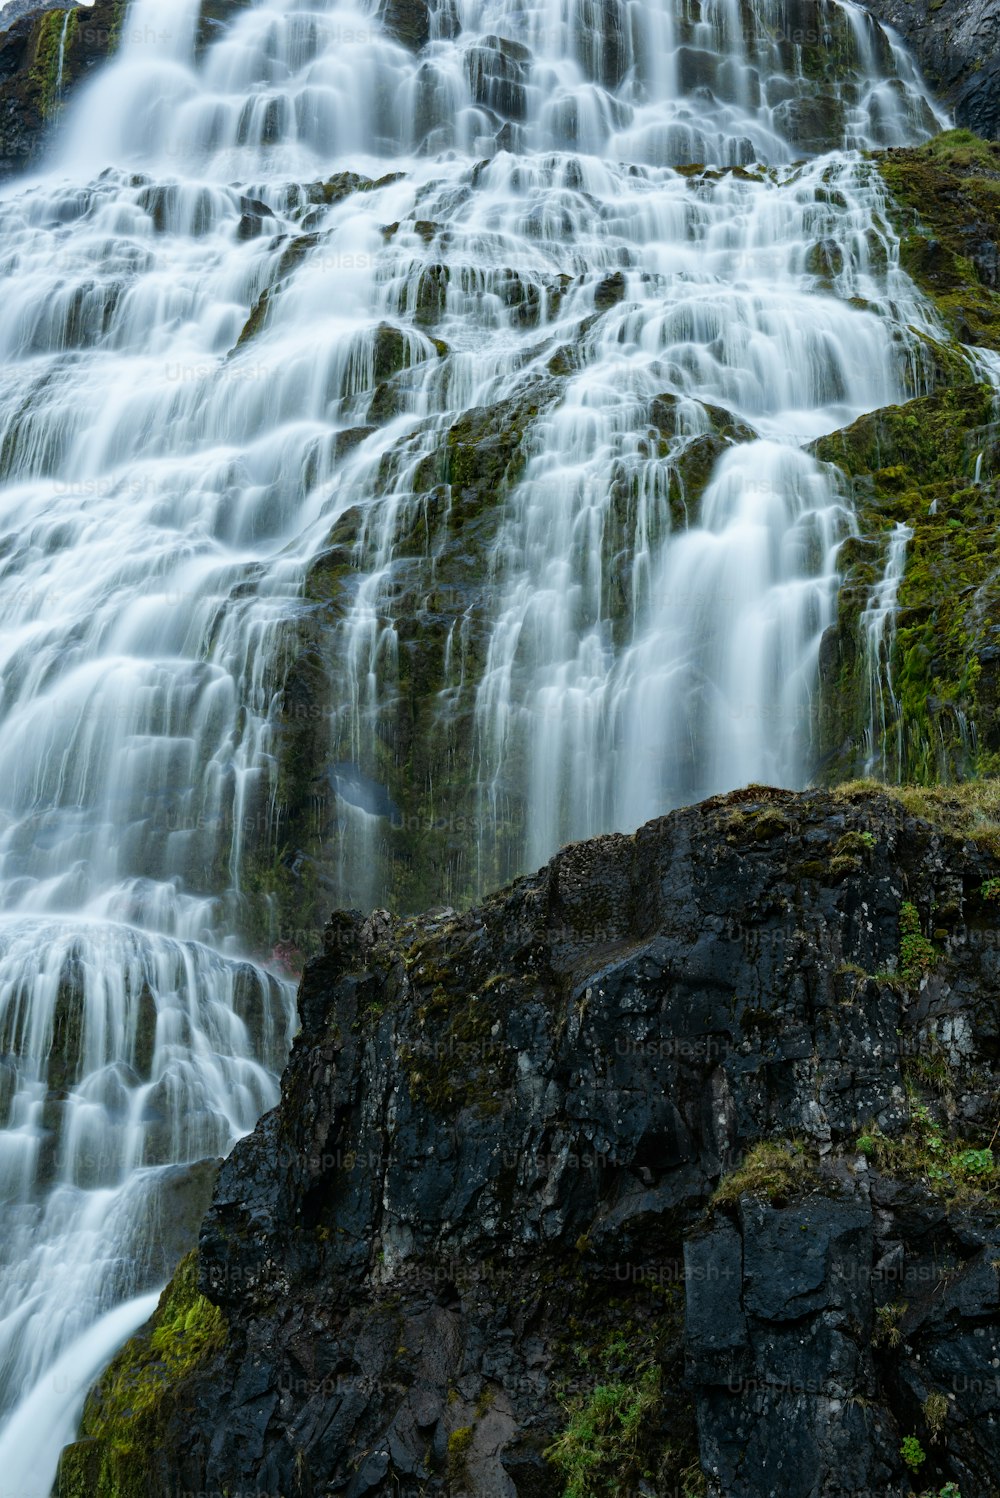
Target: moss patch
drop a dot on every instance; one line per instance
(963, 1173)
(917, 465)
(946, 205)
(775, 1170)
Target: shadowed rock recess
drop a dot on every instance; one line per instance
(666, 1170)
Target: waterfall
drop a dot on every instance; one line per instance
(62, 56)
(273, 270)
(878, 626)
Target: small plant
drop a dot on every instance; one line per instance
(913, 1453)
(974, 1162)
(693, 1482)
(954, 1169)
(935, 1408)
(990, 889)
(868, 838)
(887, 1324)
(917, 954)
(459, 1443)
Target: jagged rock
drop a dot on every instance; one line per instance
(489, 1181)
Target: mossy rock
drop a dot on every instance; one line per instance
(127, 1414)
(945, 203)
(916, 464)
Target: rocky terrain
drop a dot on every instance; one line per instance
(32, 90)
(667, 1170)
(932, 465)
(957, 44)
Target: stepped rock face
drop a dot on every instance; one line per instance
(957, 44)
(487, 1191)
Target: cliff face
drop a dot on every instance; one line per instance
(481, 1247)
(957, 44)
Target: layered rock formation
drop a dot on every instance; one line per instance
(666, 1170)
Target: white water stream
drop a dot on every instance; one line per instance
(166, 488)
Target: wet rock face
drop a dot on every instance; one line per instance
(487, 1186)
(787, 1345)
(957, 45)
(32, 94)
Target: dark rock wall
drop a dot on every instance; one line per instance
(957, 44)
(496, 1151)
(30, 101)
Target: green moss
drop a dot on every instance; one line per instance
(945, 200)
(960, 1172)
(55, 31)
(126, 1415)
(970, 810)
(774, 1170)
(459, 1445)
(917, 954)
(916, 465)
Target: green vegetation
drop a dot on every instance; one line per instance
(958, 1171)
(620, 1379)
(459, 1445)
(771, 1169)
(913, 1453)
(928, 464)
(44, 71)
(945, 201)
(917, 955)
(969, 810)
(600, 1453)
(888, 1332)
(127, 1414)
(916, 464)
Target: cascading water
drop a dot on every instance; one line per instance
(216, 357)
(878, 625)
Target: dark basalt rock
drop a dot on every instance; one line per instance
(488, 1184)
(408, 21)
(957, 44)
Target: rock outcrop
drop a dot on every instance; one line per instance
(665, 1170)
(957, 44)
